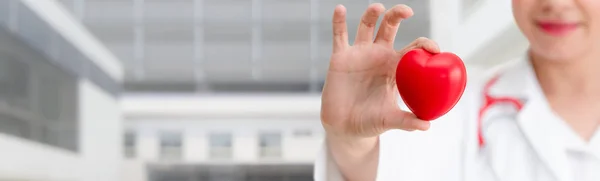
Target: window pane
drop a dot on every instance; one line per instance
(220, 140)
(270, 144)
(303, 133)
(13, 126)
(220, 145)
(170, 145)
(129, 144)
(14, 82)
(38, 100)
(270, 139)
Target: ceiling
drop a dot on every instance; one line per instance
(227, 45)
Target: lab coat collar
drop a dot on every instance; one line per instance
(518, 80)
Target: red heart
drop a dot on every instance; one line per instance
(430, 84)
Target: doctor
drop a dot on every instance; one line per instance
(535, 118)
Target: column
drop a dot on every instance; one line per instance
(100, 133)
(444, 19)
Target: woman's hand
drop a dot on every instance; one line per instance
(360, 98)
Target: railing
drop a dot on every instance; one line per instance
(220, 153)
(130, 152)
(171, 153)
(270, 152)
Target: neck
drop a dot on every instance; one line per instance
(568, 78)
(572, 89)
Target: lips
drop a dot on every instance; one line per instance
(557, 28)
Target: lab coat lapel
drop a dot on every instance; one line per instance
(595, 144)
(543, 140)
(534, 121)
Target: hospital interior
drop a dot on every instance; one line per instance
(193, 90)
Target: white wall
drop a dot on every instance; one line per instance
(223, 106)
(483, 36)
(134, 170)
(245, 138)
(444, 18)
(100, 133)
(242, 114)
(26, 160)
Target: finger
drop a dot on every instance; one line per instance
(366, 28)
(390, 24)
(428, 44)
(406, 121)
(340, 29)
(422, 42)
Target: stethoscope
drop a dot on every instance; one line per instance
(490, 101)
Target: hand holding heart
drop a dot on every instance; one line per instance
(360, 96)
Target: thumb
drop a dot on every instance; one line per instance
(399, 119)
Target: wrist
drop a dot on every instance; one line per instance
(357, 146)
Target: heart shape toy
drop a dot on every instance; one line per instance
(430, 84)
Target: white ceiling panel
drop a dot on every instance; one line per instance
(227, 32)
(291, 31)
(219, 42)
(111, 33)
(354, 9)
(228, 74)
(286, 74)
(168, 11)
(286, 55)
(222, 11)
(233, 54)
(165, 54)
(162, 33)
(169, 62)
(111, 11)
(284, 11)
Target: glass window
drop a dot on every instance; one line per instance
(5, 6)
(14, 82)
(14, 126)
(220, 145)
(130, 142)
(171, 145)
(303, 133)
(38, 101)
(270, 144)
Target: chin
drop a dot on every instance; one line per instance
(562, 53)
(559, 51)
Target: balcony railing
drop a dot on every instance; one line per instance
(270, 152)
(129, 151)
(220, 153)
(171, 153)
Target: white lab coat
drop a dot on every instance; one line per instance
(530, 145)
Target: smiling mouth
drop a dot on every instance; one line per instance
(555, 28)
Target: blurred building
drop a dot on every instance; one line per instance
(59, 113)
(223, 89)
(189, 90)
(233, 137)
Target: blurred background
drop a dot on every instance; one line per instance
(192, 90)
